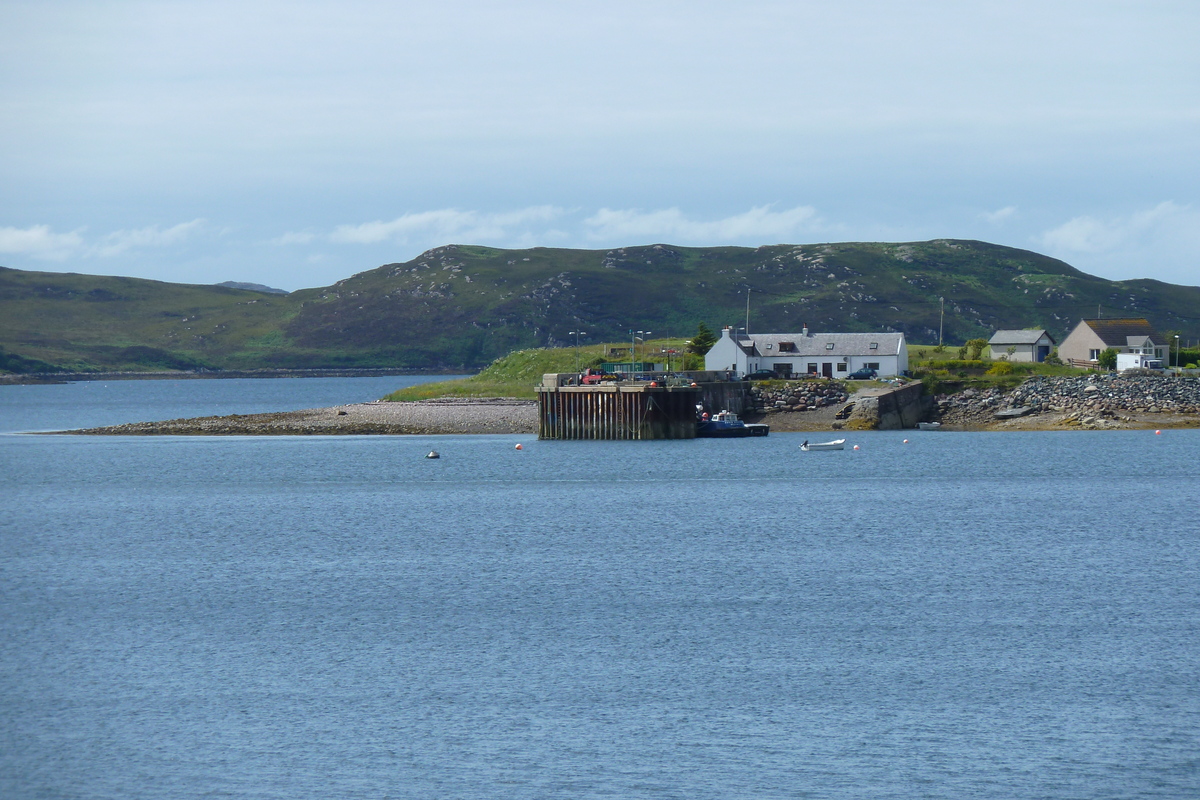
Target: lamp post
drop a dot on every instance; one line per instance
(577, 334)
(640, 335)
(1177, 354)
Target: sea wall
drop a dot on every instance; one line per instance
(895, 409)
(806, 395)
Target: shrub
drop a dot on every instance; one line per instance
(1107, 359)
(1001, 368)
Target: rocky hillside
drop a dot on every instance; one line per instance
(459, 307)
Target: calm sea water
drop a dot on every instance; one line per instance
(962, 616)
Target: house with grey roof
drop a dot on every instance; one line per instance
(829, 355)
(1024, 345)
(1091, 337)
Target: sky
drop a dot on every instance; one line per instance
(296, 143)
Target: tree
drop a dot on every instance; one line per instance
(976, 347)
(1108, 359)
(702, 341)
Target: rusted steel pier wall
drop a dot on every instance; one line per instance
(617, 411)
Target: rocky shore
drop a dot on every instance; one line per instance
(1094, 402)
(444, 416)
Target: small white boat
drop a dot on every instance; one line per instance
(928, 426)
(433, 454)
(836, 444)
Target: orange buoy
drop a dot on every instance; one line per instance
(1158, 433)
(906, 441)
(519, 447)
(855, 447)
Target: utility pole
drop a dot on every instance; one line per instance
(747, 310)
(941, 319)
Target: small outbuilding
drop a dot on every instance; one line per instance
(1028, 345)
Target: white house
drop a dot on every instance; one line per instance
(1026, 345)
(830, 355)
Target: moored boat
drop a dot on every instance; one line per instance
(836, 444)
(928, 426)
(726, 425)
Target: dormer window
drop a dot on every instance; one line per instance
(829, 345)
(787, 347)
(874, 345)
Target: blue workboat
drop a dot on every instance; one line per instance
(726, 425)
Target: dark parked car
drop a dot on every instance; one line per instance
(761, 375)
(863, 374)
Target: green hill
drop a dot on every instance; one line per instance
(460, 307)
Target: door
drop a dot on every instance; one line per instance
(1043, 352)
(827, 370)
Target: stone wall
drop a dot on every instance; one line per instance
(808, 395)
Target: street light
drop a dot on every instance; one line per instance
(1176, 351)
(577, 334)
(640, 335)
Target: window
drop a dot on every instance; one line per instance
(874, 345)
(782, 370)
(769, 345)
(842, 366)
(787, 347)
(1158, 352)
(872, 365)
(812, 368)
(1093, 355)
(829, 345)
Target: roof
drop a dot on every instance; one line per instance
(816, 344)
(1026, 336)
(1116, 332)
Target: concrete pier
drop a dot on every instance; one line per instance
(626, 410)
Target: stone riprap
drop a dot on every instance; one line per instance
(1089, 401)
(796, 396)
(444, 416)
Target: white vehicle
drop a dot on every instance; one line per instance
(1138, 361)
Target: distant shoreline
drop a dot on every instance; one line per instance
(503, 415)
(72, 377)
(426, 417)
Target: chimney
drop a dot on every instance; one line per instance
(805, 331)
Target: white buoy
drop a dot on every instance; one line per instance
(906, 441)
(1158, 433)
(855, 447)
(519, 447)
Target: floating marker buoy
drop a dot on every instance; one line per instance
(1158, 433)
(906, 441)
(855, 447)
(433, 454)
(519, 447)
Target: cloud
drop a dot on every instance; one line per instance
(291, 238)
(671, 224)
(1162, 240)
(118, 242)
(1086, 234)
(40, 242)
(999, 216)
(447, 222)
